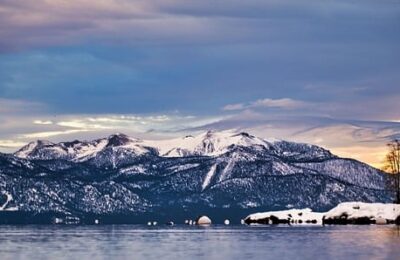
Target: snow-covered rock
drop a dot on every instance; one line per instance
(344, 213)
(292, 216)
(203, 220)
(362, 213)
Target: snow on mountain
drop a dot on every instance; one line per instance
(209, 175)
(8, 198)
(231, 149)
(299, 152)
(346, 169)
(206, 144)
(80, 150)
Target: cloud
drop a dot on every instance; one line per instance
(232, 107)
(40, 23)
(78, 69)
(282, 103)
(359, 139)
(32, 23)
(157, 56)
(17, 130)
(48, 134)
(285, 103)
(41, 122)
(11, 144)
(13, 106)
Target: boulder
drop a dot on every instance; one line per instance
(203, 220)
(380, 221)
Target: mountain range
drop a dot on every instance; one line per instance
(224, 174)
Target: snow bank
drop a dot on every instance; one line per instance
(292, 216)
(344, 213)
(362, 213)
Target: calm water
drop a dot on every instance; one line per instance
(216, 242)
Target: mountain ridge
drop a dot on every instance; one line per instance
(213, 172)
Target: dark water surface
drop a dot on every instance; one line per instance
(214, 242)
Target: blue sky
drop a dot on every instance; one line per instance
(324, 72)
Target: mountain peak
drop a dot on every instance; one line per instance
(209, 143)
(245, 134)
(31, 147)
(118, 139)
(43, 142)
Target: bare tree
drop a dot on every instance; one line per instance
(392, 166)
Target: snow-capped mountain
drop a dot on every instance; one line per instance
(213, 172)
(206, 144)
(80, 150)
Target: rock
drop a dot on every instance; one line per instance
(57, 220)
(380, 221)
(203, 220)
(270, 220)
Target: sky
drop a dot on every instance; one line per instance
(316, 71)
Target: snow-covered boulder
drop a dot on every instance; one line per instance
(203, 220)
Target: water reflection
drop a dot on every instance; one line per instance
(215, 242)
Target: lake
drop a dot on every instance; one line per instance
(188, 242)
